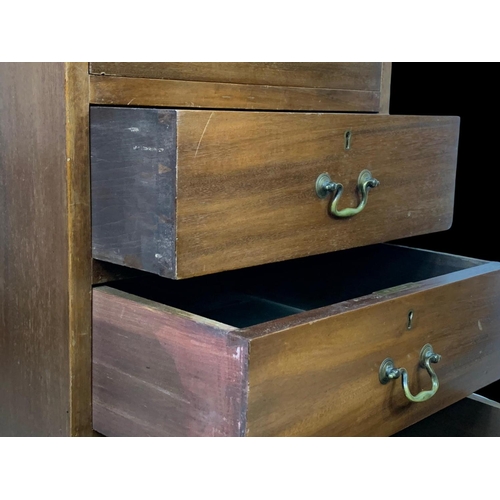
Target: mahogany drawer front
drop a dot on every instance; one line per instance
(293, 348)
(188, 193)
(275, 86)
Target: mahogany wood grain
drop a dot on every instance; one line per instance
(108, 90)
(245, 191)
(45, 313)
(163, 372)
(320, 377)
(246, 184)
(308, 373)
(351, 76)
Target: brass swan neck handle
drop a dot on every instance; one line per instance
(388, 372)
(324, 186)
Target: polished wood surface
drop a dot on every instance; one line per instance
(108, 90)
(246, 185)
(163, 372)
(474, 416)
(308, 350)
(44, 250)
(320, 377)
(352, 76)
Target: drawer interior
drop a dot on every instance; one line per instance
(256, 295)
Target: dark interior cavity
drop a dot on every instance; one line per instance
(255, 295)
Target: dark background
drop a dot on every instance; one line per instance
(464, 90)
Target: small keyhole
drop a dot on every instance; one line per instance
(410, 320)
(347, 137)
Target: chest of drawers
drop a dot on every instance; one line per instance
(210, 172)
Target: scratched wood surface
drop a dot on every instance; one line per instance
(246, 184)
(351, 76)
(108, 90)
(321, 377)
(309, 373)
(245, 191)
(45, 360)
(133, 163)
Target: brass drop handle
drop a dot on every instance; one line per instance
(325, 185)
(388, 372)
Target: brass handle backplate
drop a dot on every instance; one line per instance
(324, 186)
(388, 372)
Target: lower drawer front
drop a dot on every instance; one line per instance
(283, 366)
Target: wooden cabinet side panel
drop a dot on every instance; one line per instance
(79, 247)
(157, 372)
(321, 377)
(34, 309)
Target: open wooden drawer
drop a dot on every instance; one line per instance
(184, 193)
(294, 348)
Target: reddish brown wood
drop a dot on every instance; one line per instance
(330, 75)
(320, 376)
(237, 189)
(309, 373)
(162, 372)
(45, 307)
(246, 184)
(108, 90)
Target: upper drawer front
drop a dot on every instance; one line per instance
(187, 193)
(287, 86)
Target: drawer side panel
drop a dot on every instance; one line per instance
(158, 373)
(133, 167)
